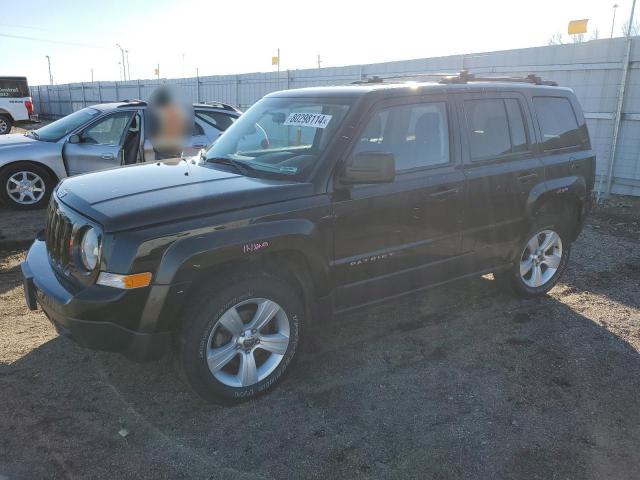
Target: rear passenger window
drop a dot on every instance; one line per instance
(221, 121)
(417, 135)
(495, 128)
(516, 126)
(558, 123)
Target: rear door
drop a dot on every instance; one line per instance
(198, 139)
(100, 145)
(565, 149)
(395, 237)
(501, 167)
(214, 123)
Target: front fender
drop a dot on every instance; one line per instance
(48, 154)
(187, 257)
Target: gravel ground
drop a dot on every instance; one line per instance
(459, 382)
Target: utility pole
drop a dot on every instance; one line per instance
(50, 76)
(613, 22)
(278, 60)
(128, 67)
(92, 75)
(319, 62)
(124, 72)
(617, 117)
(158, 72)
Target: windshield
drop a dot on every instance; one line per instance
(280, 136)
(58, 129)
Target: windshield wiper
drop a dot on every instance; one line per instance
(239, 166)
(34, 133)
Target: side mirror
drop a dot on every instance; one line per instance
(370, 167)
(75, 138)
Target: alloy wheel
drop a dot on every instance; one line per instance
(4, 126)
(25, 188)
(248, 342)
(541, 258)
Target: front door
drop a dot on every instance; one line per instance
(100, 145)
(395, 237)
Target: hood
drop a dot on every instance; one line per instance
(16, 139)
(147, 194)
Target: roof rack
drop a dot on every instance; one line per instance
(461, 77)
(224, 106)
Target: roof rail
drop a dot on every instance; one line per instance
(459, 78)
(133, 101)
(224, 106)
(465, 77)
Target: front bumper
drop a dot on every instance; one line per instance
(94, 316)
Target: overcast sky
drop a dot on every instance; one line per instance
(226, 36)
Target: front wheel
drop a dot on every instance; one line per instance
(542, 260)
(25, 186)
(238, 341)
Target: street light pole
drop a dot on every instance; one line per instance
(613, 22)
(50, 76)
(128, 67)
(124, 72)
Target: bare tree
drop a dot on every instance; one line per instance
(556, 39)
(577, 38)
(595, 34)
(635, 28)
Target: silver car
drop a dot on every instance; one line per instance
(94, 138)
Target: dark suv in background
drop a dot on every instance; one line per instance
(359, 194)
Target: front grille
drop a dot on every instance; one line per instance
(58, 233)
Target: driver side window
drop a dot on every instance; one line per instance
(416, 134)
(107, 131)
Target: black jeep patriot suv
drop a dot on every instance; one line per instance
(316, 200)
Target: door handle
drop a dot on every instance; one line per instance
(444, 193)
(525, 177)
(107, 156)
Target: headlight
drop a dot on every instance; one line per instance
(90, 249)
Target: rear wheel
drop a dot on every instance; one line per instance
(5, 124)
(238, 341)
(25, 186)
(542, 259)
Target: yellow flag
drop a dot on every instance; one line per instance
(577, 27)
(275, 60)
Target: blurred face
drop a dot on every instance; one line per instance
(171, 121)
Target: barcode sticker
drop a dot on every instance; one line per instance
(314, 120)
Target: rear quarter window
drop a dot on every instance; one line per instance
(13, 88)
(559, 125)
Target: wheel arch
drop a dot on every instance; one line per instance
(7, 113)
(293, 255)
(44, 166)
(567, 195)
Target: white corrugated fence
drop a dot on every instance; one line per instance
(592, 69)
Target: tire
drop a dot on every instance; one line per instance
(5, 124)
(25, 186)
(534, 271)
(213, 330)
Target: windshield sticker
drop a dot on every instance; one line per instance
(313, 120)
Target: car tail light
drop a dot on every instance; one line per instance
(29, 106)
